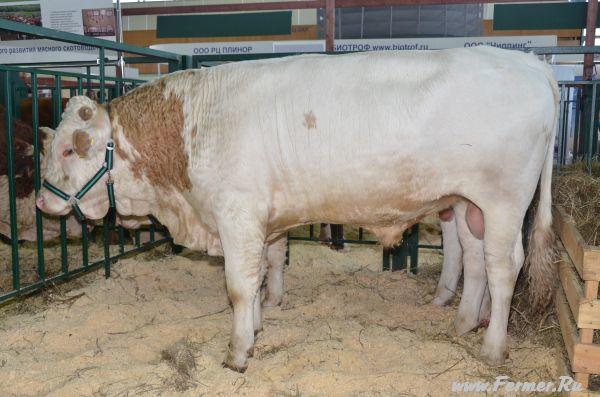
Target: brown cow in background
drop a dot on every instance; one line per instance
(45, 106)
(24, 169)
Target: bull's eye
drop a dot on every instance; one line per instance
(68, 152)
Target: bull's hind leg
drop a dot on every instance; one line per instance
(475, 282)
(275, 261)
(257, 311)
(243, 256)
(452, 265)
(504, 258)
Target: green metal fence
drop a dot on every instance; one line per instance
(577, 139)
(27, 268)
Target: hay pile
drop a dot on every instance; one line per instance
(579, 194)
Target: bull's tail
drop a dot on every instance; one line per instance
(542, 252)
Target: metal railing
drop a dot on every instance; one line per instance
(404, 256)
(577, 139)
(39, 271)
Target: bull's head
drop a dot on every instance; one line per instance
(74, 153)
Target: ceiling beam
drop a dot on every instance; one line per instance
(295, 5)
(590, 38)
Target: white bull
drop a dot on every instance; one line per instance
(372, 139)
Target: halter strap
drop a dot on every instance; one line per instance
(105, 169)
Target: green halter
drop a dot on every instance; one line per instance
(106, 169)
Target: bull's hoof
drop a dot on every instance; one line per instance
(441, 301)
(230, 363)
(493, 358)
(272, 302)
(241, 370)
(460, 327)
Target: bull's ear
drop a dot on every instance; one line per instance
(48, 132)
(47, 135)
(82, 142)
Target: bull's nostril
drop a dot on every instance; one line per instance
(40, 202)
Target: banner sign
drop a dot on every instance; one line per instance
(86, 17)
(508, 42)
(274, 47)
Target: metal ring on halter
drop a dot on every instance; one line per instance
(73, 201)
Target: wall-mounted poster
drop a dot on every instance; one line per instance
(99, 22)
(95, 18)
(19, 11)
(88, 17)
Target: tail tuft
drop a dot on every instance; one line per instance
(540, 265)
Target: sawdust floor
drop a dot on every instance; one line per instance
(344, 329)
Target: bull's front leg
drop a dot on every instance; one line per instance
(243, 253)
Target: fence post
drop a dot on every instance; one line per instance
(337, 237)
(184, 62)
(12, 200)
(593, 135)
(187, 62)
(84, 229)
(561, 117)
(106, 222)
(57, 99)
(399, 257)
(414, 249)
(588, 133)
(37, 182)
(386, 259)
(101, 74)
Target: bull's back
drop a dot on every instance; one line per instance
(379, 130)
(331, 111)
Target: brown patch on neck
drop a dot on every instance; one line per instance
(153, 125)
(310, 120)
(82, 142)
